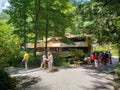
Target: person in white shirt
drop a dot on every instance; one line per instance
(43, 63)
(50, 61)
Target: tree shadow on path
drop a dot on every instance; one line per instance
(26, 81)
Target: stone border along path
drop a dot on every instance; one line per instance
(69, 78)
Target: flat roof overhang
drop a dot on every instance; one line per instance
(61, 45)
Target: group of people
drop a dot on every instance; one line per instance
(103, 57)
(48, 59)
(45, 59)
(95, 58)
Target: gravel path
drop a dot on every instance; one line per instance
(70, 78)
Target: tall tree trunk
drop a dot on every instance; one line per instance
(24, 38)
(25, 33)
(37, 4)
(46, 31)
(46, 37)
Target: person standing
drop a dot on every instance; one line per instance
(96, 61)
(92, 58)
(110, 57)
(25, 59)
(43, 63)
(50, 62)
(104, 60)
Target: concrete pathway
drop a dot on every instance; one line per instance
(70, 78)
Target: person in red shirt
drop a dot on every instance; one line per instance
(92, 58)
(96, 60)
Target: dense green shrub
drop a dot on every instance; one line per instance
(117, 70)
(13, 59)
(3, 64)
(77, 55)
(7, 82)
(16, 61)
(34, 62)
(59, 59)
(9, 43)
(65, 58)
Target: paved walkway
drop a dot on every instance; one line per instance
(70, 78)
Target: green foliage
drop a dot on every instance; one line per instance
(117, 70)
(4, 16)
(9, 43)
(20, 18)
(56, 11)
(3, 64)
(59, 60)
(7, 82)
(32, 17)
(112, 5)
(96, 19)
(77, 55)
(16, 61)
(34, 62)
(100, 19)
